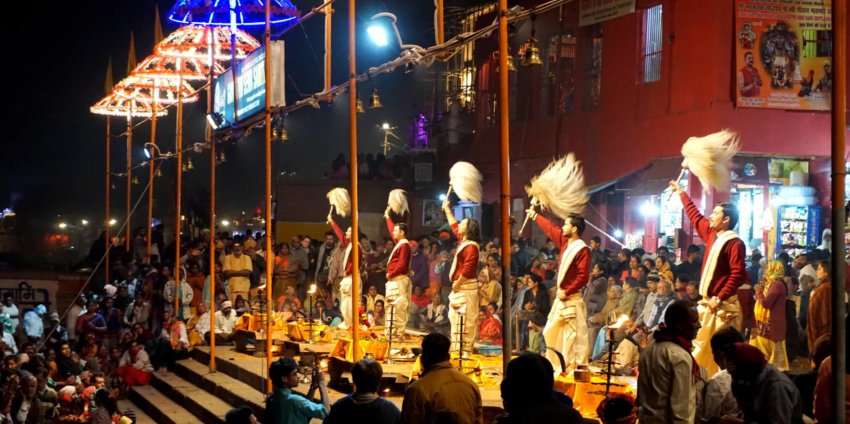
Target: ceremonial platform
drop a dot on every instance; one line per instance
(192, 394)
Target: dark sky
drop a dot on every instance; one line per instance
(54, 148)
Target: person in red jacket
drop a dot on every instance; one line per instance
(345, 285)
(398, 288)
(566, 327)
(724, 271)
(463, 300)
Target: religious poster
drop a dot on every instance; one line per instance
(783, 52)
(595, 11)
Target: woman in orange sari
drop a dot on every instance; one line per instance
(490, 329)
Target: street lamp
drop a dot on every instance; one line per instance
(378, 32)
(112, 222)
(63, 225)
(84, 222)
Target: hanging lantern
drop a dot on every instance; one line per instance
(375, 100)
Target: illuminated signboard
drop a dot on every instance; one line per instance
(251, 85)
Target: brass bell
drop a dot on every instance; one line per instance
(189, 165)
(158, 172)
(360, 107)
(280, 134)
(185, 167)
(375, 101)
(532, 55)
(511, 62)
(135, 180)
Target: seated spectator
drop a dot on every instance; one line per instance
(378, 316)
(618, 408)
(717, 399)
(434, 317)
(26, 406)
(241, 415)
(441, 387)
(364, 405)
(764, 394)
(172, 344)
(490, 290)
(198, 325)
(225, 323)
(527, 394)
(535, 307)
(489, 328)
(106, 408)
(372, 296)
(65, 365)
(135, 366)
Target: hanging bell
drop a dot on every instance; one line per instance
(185, 167)
(280, 134)
(532, 54)
(189, 165)
(511, 62)
(360, 107)
(375, 101)
(222, 158)
(158, 172)
(135, 180)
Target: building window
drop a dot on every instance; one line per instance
(651, 44)
(592, 60)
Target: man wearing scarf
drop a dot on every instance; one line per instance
(463, 299)
(667, 382)
(345, 285)
(764, 394)
(399, 286)
(724, 270)
(566, 327)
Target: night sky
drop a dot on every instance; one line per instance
(54, 148)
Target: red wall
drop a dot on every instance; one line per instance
(635, 122)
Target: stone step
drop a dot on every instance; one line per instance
(141, 417)
(227, 388)
(204, 405)
(160, 408)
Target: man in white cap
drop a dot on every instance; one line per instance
(225, 321)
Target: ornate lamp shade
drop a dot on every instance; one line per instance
(170, 67)
(146, 90)
(195, 41)
(115, 105)
(244, 12)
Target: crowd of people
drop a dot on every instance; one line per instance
(571, 301)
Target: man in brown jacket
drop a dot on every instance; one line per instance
(442, 389)
(820, 305)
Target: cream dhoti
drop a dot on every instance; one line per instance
(398, 301)
(345, 301)
(566, 331)
(464, 303)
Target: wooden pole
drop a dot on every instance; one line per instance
(355, 220)
(128, 243)
(268, 194)
(178, 210)
(151, 176)
(505, 196)
(328, 45)
(107, 193)
(839, 128)
(210, 139)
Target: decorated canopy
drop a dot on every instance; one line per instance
(169, 67)
(115, 105)
(194, 41)
(146, 90)
(218, 12)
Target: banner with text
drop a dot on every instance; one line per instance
(783, 52)
(595, 11)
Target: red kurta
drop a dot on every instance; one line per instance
(578, 275)
(730, 273)
(399, 263)
(467, 261)
(349, 263)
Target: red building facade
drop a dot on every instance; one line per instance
(621, 95)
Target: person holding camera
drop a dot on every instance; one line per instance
(284, 406)
(365, 405)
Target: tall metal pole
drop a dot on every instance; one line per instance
(328, 30)
(505, 196)
(128, 243)
(151, 176)
(269, 254)
(839, 128)
(178, 210)
(355, 219)
(108, 189)
(210, 139)
(440, 26)
(233, 29)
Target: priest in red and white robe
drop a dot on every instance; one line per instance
(724, 270)
(566, 326)
(345, 285)
(399, 286)
(463, 300)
